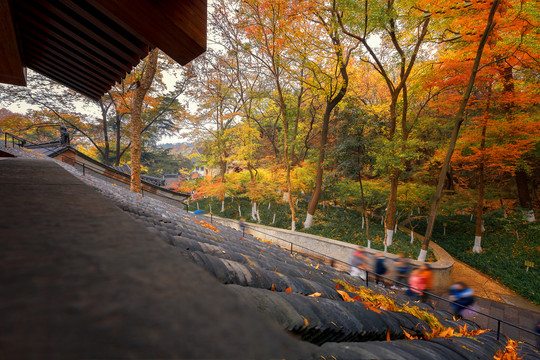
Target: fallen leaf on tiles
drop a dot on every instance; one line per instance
(288, 289)
(273, 288)
(317, 294)
(345, 296)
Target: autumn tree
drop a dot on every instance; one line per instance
(510, 42)
(329, 77)
(142, 87)
(266, 24)
(458, 120)
(402, 29)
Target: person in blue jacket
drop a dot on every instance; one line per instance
(380, 268)
(462, 296)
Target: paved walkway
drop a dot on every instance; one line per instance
(497, 300)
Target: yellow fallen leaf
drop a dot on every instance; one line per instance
(317, 294)
(345, 296)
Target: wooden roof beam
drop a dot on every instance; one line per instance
(93, 94)
(125, 66)
(63, 42)
(142, 50)
(11, 68)
(184, 20)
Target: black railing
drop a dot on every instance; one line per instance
(14, 140)
(366, 281)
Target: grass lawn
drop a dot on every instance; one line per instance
(504, 254)
(330, 222)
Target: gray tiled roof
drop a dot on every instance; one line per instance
(260, 273)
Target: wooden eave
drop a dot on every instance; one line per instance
(89, 45)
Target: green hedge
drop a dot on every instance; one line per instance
(503, 254)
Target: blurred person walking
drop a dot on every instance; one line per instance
(462, 296)
(359, 263)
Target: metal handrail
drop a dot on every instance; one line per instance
(499, 321)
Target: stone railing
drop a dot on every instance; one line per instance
(324, 248)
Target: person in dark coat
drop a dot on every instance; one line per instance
(380, 268)
(462, 296)
(402, 270)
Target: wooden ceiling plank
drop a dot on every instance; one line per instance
(140, 51)
(183, 38)
(66, 82)
(45, 18)
(11, 66)
(129, 58)
(63, 42)
(68, 70)
(64, 75)
(76, 61)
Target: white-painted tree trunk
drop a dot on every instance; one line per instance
(254, 210)
(239, 211)
(369, 244)
(210, 207)
(274, 219)
(258, 216)
(269, 206)
(412, 236)
(477, 248)
(382, 220)
(296, 202)
(363, 222)
(293, 225)
(223, 205)
(483, 228)
(389, 236)
(395, 228)
(529, 216)
(309, 221)
(471, 217)
(422, 255)
(198, 205)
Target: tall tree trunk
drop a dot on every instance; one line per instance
(364, 210)
(525, 200)
(314, 201)
(392, 207)
(106, 156)
(477, 248)
(118, 139)
(330, 105)
(136, 125)
(458, 120)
